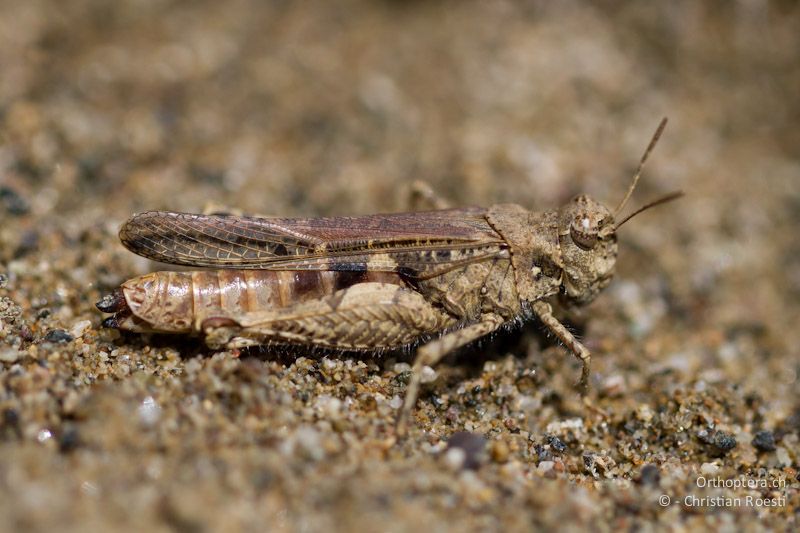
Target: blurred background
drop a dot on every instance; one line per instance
(320, 108)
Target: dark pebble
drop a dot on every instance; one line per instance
(724, 442)
(705, 436)
(10, 417)
(720, 441)
(9, 424)
(542, 453)
(649, 475)
(556, 444)
(69, 441)
(402, 378)
(26, 334)
(473, 445)
(437, 402)
(58, 335)
(12, 202)
(588, 461)
(28, 242)
(262, 479)
(764, 441)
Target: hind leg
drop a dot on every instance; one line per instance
(365, 316)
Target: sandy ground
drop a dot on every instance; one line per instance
(312, 108)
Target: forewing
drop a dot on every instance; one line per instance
(414, 243)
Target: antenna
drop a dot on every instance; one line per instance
(664, 199)
(650, 147)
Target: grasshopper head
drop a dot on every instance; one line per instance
(587, 238)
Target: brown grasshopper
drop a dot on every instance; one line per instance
(438, 278)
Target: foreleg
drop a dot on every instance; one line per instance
(544, 311)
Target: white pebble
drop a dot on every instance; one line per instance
(329, 406)
(9, 355)
(545, 466)
(427, 375)
(149, 411)
(783, 456)
(454, 458)
(399, 368)
(396, 402)
(79, 328)
(708, 469)
(44, 435)
(563, 425)
(309, 441)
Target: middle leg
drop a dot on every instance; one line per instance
(432, 353)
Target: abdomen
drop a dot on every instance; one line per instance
(179, 302)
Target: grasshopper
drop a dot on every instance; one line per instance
(438, 279)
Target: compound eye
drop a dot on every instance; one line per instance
(583, 233)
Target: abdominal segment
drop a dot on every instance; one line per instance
(242, 307)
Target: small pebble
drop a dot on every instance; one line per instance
(613, 386)
(396, 402)
(308, 441)
(69, 441)
(499, 451)
(543, 453)
(329, 406)
(399, 368)
(644, 413)
(26, 334)
(44, 435)
(80, 328)
(12, 202)
(720, 441)
(561, 426)
(58, 335)
(556, 444)
(428, 375)
(649, 475)
(783, 456)
(472, 445)
(10, 423)
(454, 458)
(724, 442)
(9, 355)
(149, 411)
(708, 469)
(764, 441)
(545, 467)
